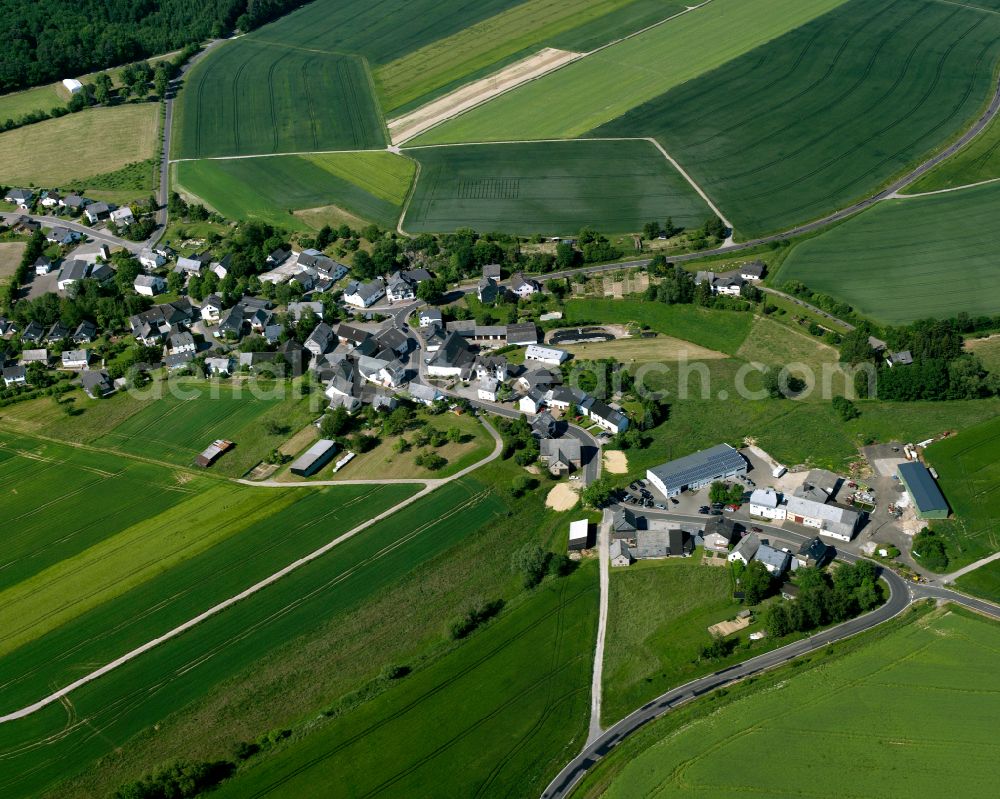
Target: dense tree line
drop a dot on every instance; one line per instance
(825, 599)
(941, 370)
(48, 40)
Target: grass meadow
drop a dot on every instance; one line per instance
(983, 582)
(932, 669)
(74, 147)
(828, 112)
(550, 187)
(596, 89)
(932, 257)
(510, 726)
(371, 186)
(306, 643)
(249, 98)
(987, 350)
(658, 612)
(968, 465)
(723, 331)
(41, 98)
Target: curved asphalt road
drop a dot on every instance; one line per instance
(901, 595)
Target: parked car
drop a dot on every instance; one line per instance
(703, 511)
(660, 506)
(756, 530)
(732, 507)
(675, 500)
(649, 503)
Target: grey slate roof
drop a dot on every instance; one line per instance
(922, 487)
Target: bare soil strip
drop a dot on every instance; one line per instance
(408, 126)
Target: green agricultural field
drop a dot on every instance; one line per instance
(932, 257)
(371, 186)
(775, 344)
(827, 113)
(724, 331)
(248, 98)
(511, 726)
(176, 430)
(968, 465)
(143, 580)
(482, 47)
(550, 187)
(603, 86)
(299, 623)
(658, 612)
(983, 582)
(933, 672)
(103, 140)
(82, 494)
(976, 162)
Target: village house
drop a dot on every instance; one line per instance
(43, 265)
(75, 359)
(775, 560)
(122, 217)
(150, 259)
(745, 550)
(491, 366)
(544, 425)
(62, 235)
(488, 291)
(560, 455)
(14, 376)
(85, 332)
(181, 342)
(492, 271)
(363, 295)
(56, 333)
(50, 199)
(219, 366)
(22, 198)
(95, 212)
(813, 552)
(662, 544)
(211, 309)
(321, 340)
(765, 503)
(149, 285)
(96, 383)
(620, 554)
(531, 402)
(904, 358)
(753, 271)
(607, 418)
(523, 287)
(34, 356)
(453, 359)
(429, 316)
(72, 271)
(74, 203)
(486, 389)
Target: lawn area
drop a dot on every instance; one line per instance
(308, 642)
(775, 344)
(104, 139)
(175, 430)
(983, 582)
(511, 727)
(934, 252)
(968, 466)
(936, 671)
(828, 112)
(643, 350)
(658, 612)
(247, 98)
(10, 257)
(723, 331)
(550, 187)
(596, 89)
(987, 350)
(977, 161)
(371, 186)
(385, 462)
(526, 27)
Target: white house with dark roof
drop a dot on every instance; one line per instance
(363, 295)
(72, 271)
(95, 212)
(776, 561)
(20, 197)
(75, 359)
(523, 287)
(211, 309)
(149, 285)
(149, 259)
(429, 316)
(607, 418)
(745, 550)
(765, 503)
(532, 402)
(753, 270)
(321, 340)
(43, 265)
(123, 217)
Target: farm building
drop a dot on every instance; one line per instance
(765, 503)
(927, 497)
(775, 560)
(579, 532)
(831, 520)
(697, 470)
(561, 455)
(662, 543)
(745, 549)
(813, 553)
(72, 85)
(546, 355)
(522, 333)
(314, 458)
(211, 454)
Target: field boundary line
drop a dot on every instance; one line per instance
(528, 82)
(409, 194)
(696, 187)
(275, 155)
(58, 696)
(898, 196)
(969, 6)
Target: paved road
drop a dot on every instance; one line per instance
(950, 578)
(163, 195)
(902, 594)
(97, 235)
(597, 678)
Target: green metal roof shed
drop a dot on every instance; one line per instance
(928, 498)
